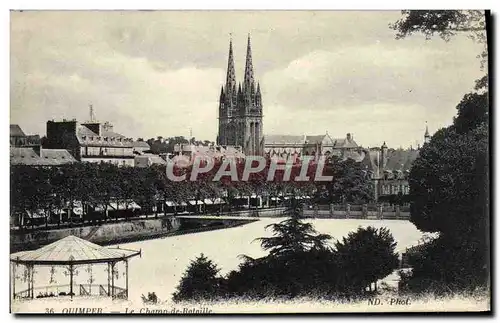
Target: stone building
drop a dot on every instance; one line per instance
(40, 157)
(19, 139)
(188, 153)
(92, 141)
(286, 146)
(148, 159)
(240, 109)
(27, 150)
(390, 168)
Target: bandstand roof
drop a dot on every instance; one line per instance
(72, 250)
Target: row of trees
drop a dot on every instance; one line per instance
(97, 185)
(449, 181)
(300, 262)
(162, 145)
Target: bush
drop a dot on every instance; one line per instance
(364, 257)
(299, 263)
(199, 282)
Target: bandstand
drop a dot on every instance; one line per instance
(71, 253)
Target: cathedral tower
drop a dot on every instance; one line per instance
(240, 108)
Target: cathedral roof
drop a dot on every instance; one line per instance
(283, 139)
(315, 139)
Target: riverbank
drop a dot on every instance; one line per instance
(123, 232)
(139, 229)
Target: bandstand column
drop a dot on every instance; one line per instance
(109, 279)
(13, 280)
(32, 281)
(32, 273)
(126, 278)
(28, 267)
(28, 280)
(112, 280)
(71, 268)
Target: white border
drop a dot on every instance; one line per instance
(190, 5)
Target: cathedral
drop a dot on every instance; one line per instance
(240, 109)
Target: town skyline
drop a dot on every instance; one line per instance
(158, 74)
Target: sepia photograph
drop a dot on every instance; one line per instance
(199, 162)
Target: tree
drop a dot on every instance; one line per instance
(449, 181)
(446, 24)
(472, 112)
(199, 282)
(365, 256)
(449, 187)
(449, 184)
(299, 262)
(350, 183)
(292, 236)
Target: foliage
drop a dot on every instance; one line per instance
(449, 183)
(365, 256)
(199, 282)
(301, 263)
(292, 236)
(446, 24)
(472, 111)
(350, 183)
(60, 188)
(446, 265)
(162, 145)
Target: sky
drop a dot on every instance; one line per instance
(159, 73)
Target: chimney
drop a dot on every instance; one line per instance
(348, 137)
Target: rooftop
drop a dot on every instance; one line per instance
(71, 249)
(16, 131)
(49, 157)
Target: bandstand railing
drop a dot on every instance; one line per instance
(103, 291)
(45, 291)
(64, 290)
(119, 292)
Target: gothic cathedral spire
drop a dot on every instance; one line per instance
(231, 76)
(248, 81)
(240, 109)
